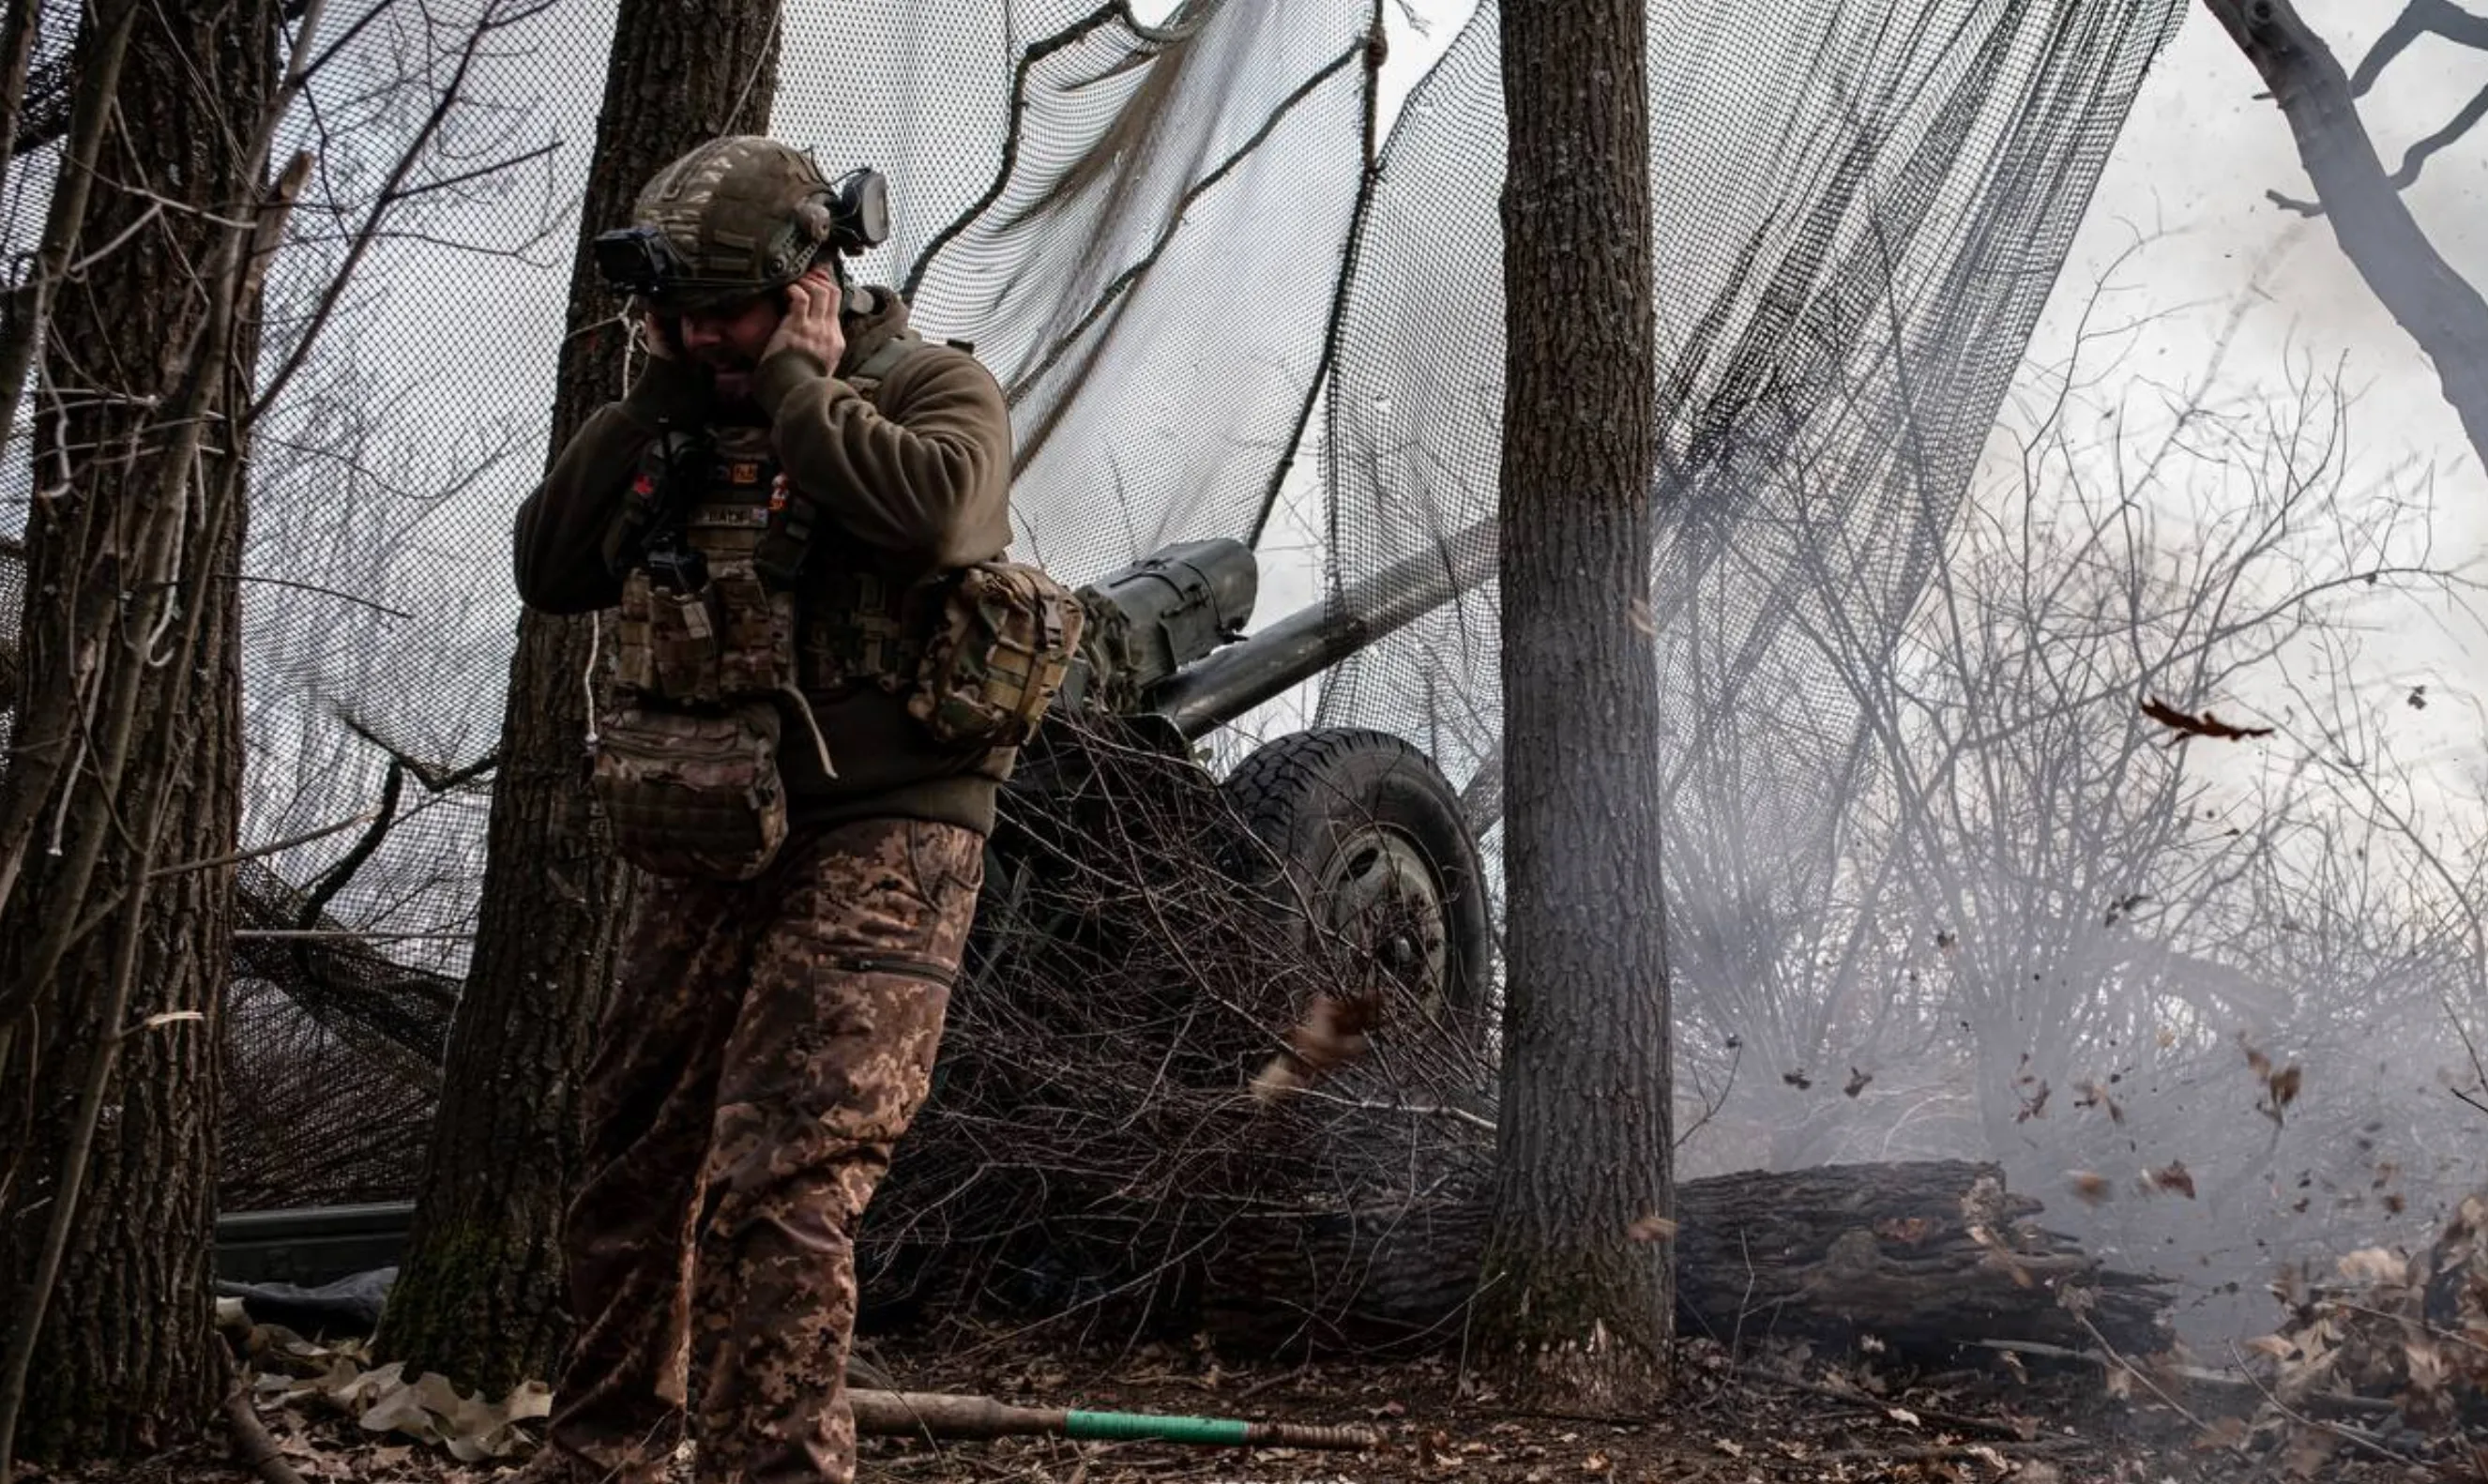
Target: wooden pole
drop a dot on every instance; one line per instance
(945, 1415)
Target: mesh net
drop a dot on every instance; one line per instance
(1858, 223)
(1158, 233)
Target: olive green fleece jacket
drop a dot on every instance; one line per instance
(919, 482)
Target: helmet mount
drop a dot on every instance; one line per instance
(737, 217)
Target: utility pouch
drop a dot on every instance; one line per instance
(756, 633)
(998, 639)
(729, 639)
(857, 633)
(668, 644)
(693, 793)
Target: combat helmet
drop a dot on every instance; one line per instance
(738, 216)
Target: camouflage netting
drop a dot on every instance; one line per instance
(1158, 233)
(1858, 223)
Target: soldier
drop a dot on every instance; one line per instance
(820, 671)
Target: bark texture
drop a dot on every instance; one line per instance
(479, 1298)
(2440, 309)
(1575, 1300)
(132, 682)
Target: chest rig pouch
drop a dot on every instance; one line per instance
(687, 760)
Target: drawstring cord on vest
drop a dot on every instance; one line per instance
(804, 708)
(587, 676)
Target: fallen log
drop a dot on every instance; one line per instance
(1924, 1257)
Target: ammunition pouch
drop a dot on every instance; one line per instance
(979, 652)
(693, 793)
(1000, 640)
(734, 636)
(859, 631)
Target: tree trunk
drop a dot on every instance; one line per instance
(480, 1295)
(1828, 1254)
(124, 1363)
(2440, 309)
(1575, 1302)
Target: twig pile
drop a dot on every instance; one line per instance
(1150, 1048)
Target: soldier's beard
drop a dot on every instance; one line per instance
(731, 377)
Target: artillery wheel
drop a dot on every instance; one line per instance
(1378, 862)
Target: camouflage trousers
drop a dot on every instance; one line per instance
(768, 1041)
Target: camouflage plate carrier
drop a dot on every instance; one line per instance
(729, 630)
(732, 624)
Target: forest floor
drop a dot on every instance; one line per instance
(1778, 1419)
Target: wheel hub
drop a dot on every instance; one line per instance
(1381, 897)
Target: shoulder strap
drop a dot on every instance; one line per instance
(877, 367)
(662, 484)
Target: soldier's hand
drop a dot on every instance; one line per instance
(655, 337)
(810, 323)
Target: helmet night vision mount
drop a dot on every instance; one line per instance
(846, 216)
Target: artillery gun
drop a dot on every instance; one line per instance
(1356, 837)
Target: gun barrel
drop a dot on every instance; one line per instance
(1234, 680)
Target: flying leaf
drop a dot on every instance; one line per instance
(1331, 1034)
(2034, 1106)
(2093, 1095)
(2373, 1265)
(2207, 724)
(2226, 1433)
(2256, 1061)
(1651, 1228)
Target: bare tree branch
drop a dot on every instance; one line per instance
(2441, 310)
(2417, 155)
(33, 301)
(25, 26)
(2420, 18)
